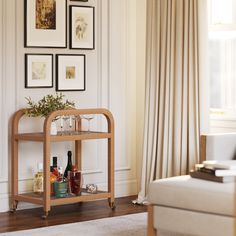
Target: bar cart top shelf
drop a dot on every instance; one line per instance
(75, 135)
(64, 136)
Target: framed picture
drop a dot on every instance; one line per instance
(79, 0)
(82, 32)
(45, 23)
(70, 72)
(38, 71)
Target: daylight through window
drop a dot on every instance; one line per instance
(222, 57)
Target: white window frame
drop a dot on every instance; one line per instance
(221, 114)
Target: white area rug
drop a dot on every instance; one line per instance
(131, 225)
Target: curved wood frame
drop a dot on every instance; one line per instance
(46, 138)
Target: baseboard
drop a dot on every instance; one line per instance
(126, 188)
(122, 189)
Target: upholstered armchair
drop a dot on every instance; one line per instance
(188, 206)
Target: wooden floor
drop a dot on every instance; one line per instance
(30, 219)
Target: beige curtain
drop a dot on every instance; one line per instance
(176, 107)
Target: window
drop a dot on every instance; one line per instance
(222, 58)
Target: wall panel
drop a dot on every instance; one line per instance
(111, 83)
(8, 81)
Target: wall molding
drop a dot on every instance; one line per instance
(1, 86)
(102, 75)
(125, 168)
(118, 94)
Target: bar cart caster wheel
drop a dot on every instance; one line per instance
(112, 205)
(45, 216)
(13, 210)
(14, 207)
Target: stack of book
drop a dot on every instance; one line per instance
(218, 171)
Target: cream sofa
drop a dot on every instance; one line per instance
(185, 206)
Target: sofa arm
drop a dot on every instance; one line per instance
(218, 146)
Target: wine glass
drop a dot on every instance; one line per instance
(71, 118)
(65, 118)
(61, 124)
(87, 117)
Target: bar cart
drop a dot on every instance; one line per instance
(77, 136)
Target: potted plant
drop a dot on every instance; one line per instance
(46, 105)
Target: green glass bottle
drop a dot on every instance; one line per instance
(69, 164)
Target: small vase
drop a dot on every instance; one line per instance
(53, 130)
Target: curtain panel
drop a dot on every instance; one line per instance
(176, 99)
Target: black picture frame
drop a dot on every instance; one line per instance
(70, 72)
(38, 70)
(82, 36)
(36, 28)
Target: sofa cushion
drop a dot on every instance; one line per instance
(193, 194)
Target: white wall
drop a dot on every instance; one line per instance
(115, 75)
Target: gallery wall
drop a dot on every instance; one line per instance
(114, 80)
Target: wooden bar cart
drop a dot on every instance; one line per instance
(76, 136)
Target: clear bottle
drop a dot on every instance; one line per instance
(38, 180)
(60, 173)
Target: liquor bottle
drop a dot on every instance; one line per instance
(54, 175)
(54, 167)
(53, 179)
(69, 164)
(54, 164)
(38, 180)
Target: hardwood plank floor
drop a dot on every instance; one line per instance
(31, 218)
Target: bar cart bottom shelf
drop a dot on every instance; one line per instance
(70, 199)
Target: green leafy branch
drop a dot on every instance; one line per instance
(47, 104)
